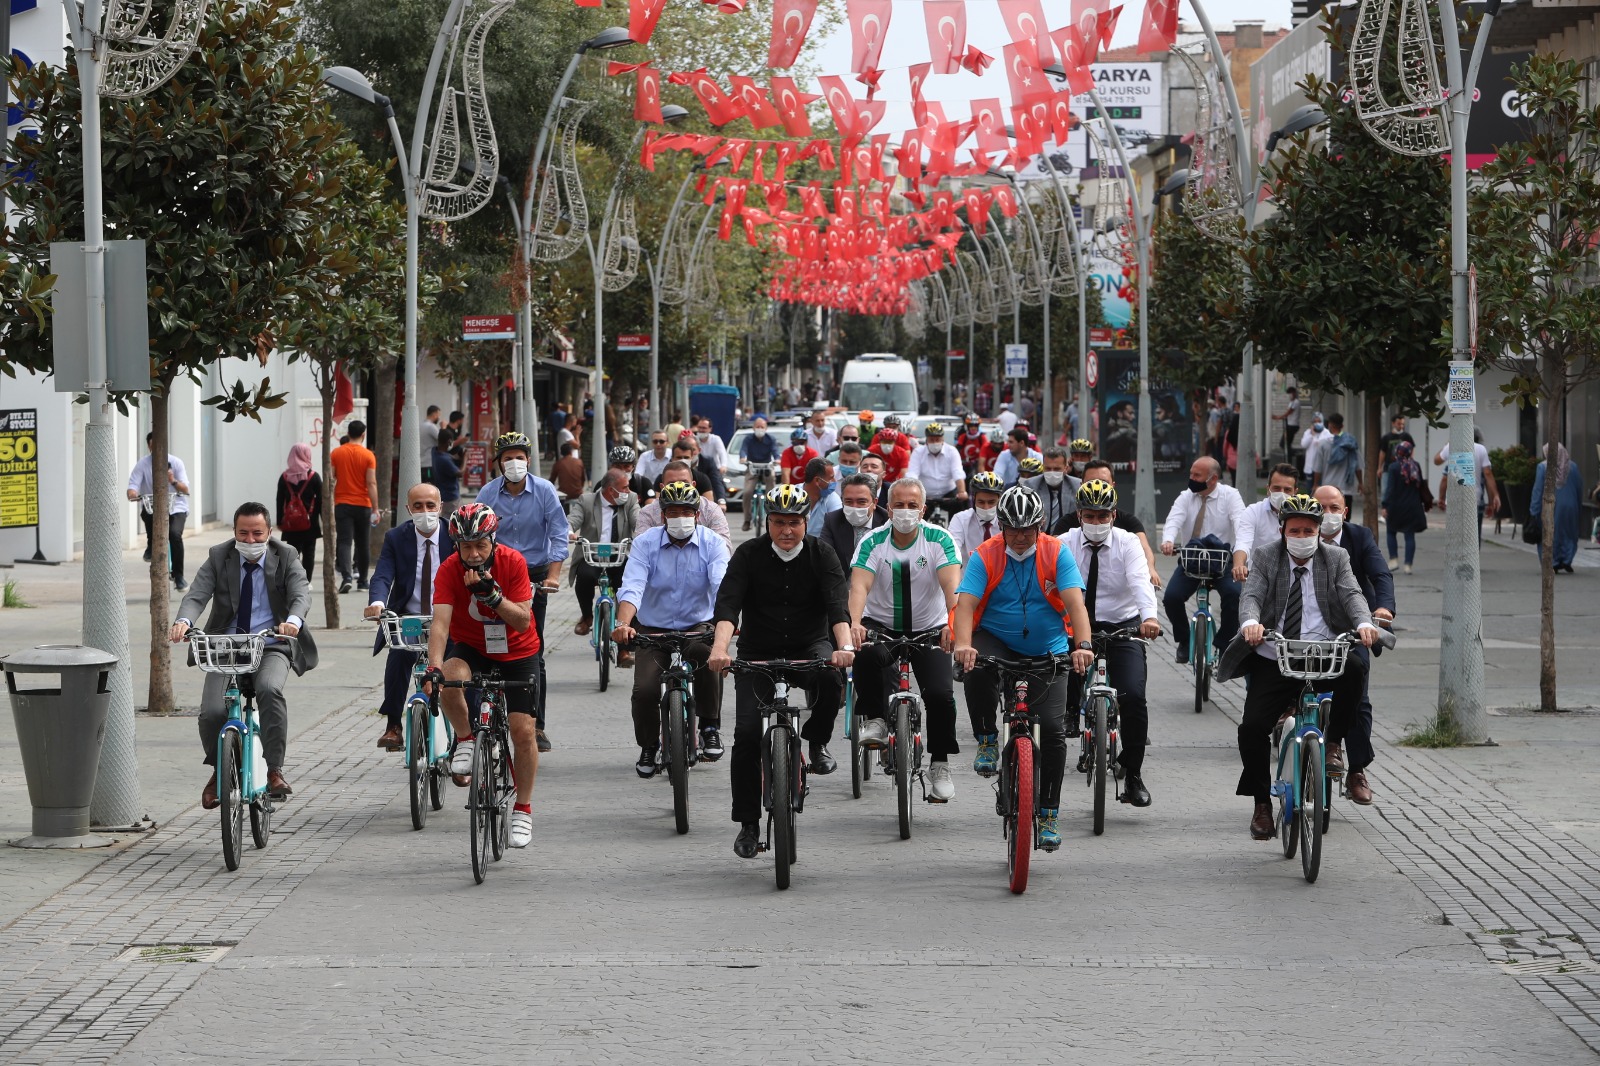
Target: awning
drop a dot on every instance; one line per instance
(570, 368)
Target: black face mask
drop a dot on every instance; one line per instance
(1197, 487)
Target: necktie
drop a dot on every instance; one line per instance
(1291, 612)
(1199, 520)
(1094, 579)
(613, 525)
(247, 597)
(425, 597)
(987, 530)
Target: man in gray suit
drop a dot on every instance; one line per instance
(606, 515)
(253, 583)
(1302, 587)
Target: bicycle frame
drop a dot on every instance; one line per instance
(758, 478)
(410, 633)
(237, 655)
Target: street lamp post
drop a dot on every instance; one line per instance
(654, 267)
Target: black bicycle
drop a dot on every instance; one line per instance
(493, 787)
(783, 770)
(678, 750)
(901, 757)
(1099, 722)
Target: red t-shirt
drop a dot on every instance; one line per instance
(895, 460)
(794, 466)
(468, 618)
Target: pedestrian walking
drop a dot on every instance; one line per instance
(446, 477)
(355, 505)
(1291, 423)
(1406, 501)
(140, 484)
(430, 440)
(1569, 503)
(300, 506)
(1339, 461)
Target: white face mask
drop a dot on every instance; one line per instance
(251, 551)
(935, 447)
(703, 437)
(680, 528)
(758, 433)
(985, 514)
(1021, 556)
(799, 448)
(858, 516)
(790, 555)
(1053, 478)
(1096, 534)
(1275, 499)
(1331, 524)
(515, 469)
(1302, 547)
(426, 522)
(904, 519)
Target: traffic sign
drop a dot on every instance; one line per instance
(633, 342)
(956, 353)
(489, 328)
(1016, 360)
(1092, 369)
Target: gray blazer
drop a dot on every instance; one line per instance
(584, 514)
(1266, 594)
(217, 582)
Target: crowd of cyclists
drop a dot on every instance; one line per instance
(1007, 549)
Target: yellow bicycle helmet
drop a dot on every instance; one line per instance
(507, 441)
(787, 499)
(1097, 495)
(679, 494)
(1030, 467)
(1299, 505)
(987, 481)
(934, 429)
(1081, 446)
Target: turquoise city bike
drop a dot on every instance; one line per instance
(604, 558)
(428, 736)
(1207, 566)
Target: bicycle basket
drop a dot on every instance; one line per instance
(227, 653)
(1204, 564)
(606, 554)
(407, 632)
(1312, 660)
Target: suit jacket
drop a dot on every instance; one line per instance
(840, 535)
(392, 580)
(1266, 594)
(1368, 565)
(288, 592)
(584, 515)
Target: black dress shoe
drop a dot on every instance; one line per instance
(747, 845)
(1183, 654)
(1262, 826)
(1134, 792)
(821, 761)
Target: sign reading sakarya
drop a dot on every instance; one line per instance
(19, 469)
(1136, 104)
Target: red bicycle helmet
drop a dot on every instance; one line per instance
(474, 521)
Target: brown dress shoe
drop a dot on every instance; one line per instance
(1261, 826)
(624, 660)
(1334, 758)
(208, 795)
(582, 628)
(1355, 784)
(277, 787)
(391, 739)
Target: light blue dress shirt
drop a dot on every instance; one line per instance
(829, 503)
(672, 586)
(1005, 467)
(531, 521)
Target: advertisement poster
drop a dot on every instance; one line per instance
(19, 469)
(1135, 102)
(474, 465)
(1172, 443)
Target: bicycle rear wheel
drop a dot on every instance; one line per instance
(782, 787)
(480, 804)
(1101, 739)
(420, 771)
(852, 728)
(602, 622)
(1312, 783)
(230, 791)
(1017, 780)
(903, 758)
(505, 794)
(676, 729)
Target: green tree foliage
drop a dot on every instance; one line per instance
(1535, 216)
(1194, 305)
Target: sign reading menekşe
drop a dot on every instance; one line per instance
(489, 328)
(19, 469)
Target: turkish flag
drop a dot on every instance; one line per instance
(935, 128)
(647, 94)
(719, 109)
(642, 18)
(754, 100)
(1006, 201)
(947, 33)
(840, 103)
(1027, 80)
(869, 23)
(1158, 30)
(791, 104)
(919, 77)
(1086, 16)
(975, 61)
(1030, 134)
(991, 125)
(1074, 59)
(1061, 117)
(791, 21)
(868, 113)
(1108, 25)
(1024, 20)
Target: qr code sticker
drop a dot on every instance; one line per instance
(1461, 391)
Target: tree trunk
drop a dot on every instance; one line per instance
(158, 699)
(1553, 370)
(1374, 476)
(330, 534)
(385, 445)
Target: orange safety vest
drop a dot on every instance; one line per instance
(993, 554)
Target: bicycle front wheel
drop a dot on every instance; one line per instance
(781, 785)
(903, 758)
(1200, 656)
(420, 768)
(505, 794)
(480, 804)
(602, 622)
(1102, 726)
(1018, 781)
(1312, 782)
(230, 792)
(676, 728)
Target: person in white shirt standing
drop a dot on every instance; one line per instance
(712, 446)
(140, 484)
(1207, 508)
(981, 521)
(1118, 595)
(940, 471)
(1310, 444)
(819, 438)
(1007, 419)
(1258, 524)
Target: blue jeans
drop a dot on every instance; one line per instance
(1411, 545)
(1180, 587)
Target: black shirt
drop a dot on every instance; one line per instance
(1124, 520)
(702, 481)
(1387, 442)
(782, 607)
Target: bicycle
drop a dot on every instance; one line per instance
(1207, 566)
(1017, 791)
(493, 785)
(860, 757)
(605, 558)
(428, 738)
(679, 749)
(241, 760)
(1098, 723)
(902, 755)
(1301, 785)
(757, 480)
(783, 770)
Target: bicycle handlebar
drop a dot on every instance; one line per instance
(484, 682)
(895, 640)
(1386, 637)
(671, 641)
(778, 667)
(1043, 667)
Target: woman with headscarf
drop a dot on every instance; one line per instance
(1405, 503)
(300, 506)
(1569, 504)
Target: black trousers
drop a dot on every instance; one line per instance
(541, 603)
(1048, 701)
(397, 684)
(586, 579)
(648, 666)
(875, 676)
(353, 524)
(1271, 694)
(1358, 742)
(306, 544)
(1181, 587)
(175, 524)
(1127, 672)
(744, 772)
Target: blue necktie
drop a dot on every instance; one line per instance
(247, 597)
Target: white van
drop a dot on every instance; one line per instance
(880, 382)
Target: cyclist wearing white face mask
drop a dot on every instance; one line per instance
(939, 469)
(1258, 523)
(1057, 488)
(972, 527)
(844, 529)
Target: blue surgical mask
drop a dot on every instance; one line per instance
(846, 471)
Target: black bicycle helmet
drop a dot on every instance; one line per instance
(1097, 495)
(787, 499)
(1020, 508)
(622, 455)
(678, 494)
(1299, 505)
(515, 439)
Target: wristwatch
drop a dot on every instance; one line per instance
(1085, 645)
(847, 647)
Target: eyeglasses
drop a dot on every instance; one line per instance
(659, 440)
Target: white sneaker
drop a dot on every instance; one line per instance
(1407, 568)
(521, 829)
(941, 789)
(874, 731)
(1394, 564)
(462, 762)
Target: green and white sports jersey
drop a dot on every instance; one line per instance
(906, 594)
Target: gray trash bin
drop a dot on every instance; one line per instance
(59, 731)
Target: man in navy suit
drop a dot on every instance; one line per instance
(403, 583)
(1377, 585)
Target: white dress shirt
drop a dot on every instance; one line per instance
(967, 529)
(1223, 506)
(1122, 588)
(608, 514)
(414, 606)
(1311, 442)
(1007, 421)
(940, 473)
(649, 466)
(714, 449)
(821, 443)
(1256, 527)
